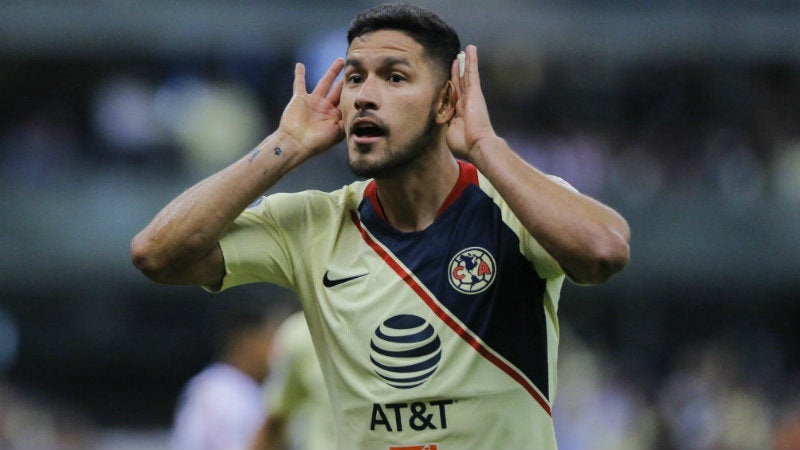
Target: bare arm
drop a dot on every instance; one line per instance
(588, 239)
(180, 245)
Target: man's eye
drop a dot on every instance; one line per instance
(396, 78)
(354, 78)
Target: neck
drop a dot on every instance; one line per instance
(412, 200)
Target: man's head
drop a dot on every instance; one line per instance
(244, 330)
(397, 98)
(439, 40)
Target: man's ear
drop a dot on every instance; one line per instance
(446, 104)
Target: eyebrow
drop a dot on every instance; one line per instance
(389, 61)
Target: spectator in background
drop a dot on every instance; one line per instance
(300, 415)
(222, 407)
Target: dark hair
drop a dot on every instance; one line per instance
(232, 318)
(439, 39)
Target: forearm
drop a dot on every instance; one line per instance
(587, 238)
(190, 226)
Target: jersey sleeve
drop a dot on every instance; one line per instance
(255, 247)
(273, 240)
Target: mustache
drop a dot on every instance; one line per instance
(369, 115)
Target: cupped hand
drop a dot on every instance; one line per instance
(313, 120)
(470, 123)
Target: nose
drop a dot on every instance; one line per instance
(367, 96)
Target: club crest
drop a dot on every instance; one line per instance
(471, 270)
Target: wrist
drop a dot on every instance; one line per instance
(286, 141)
(483, 147)
(280, 150)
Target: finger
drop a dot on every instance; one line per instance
(471, 72)
(327, 80)
(336, 92)
(299, 86)
(455, 78)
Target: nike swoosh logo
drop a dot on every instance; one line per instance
(327, 282)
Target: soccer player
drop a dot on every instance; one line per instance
(221, 407)
(430, 288)
(299, 413)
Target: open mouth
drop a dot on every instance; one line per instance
(366, 131)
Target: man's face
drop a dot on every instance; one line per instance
(388, 103)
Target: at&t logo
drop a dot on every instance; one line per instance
(405, 351)
(471, 271)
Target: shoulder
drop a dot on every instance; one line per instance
(347, 197)
(214, 382)
(545, 264)
(293, 330)
(287, 209)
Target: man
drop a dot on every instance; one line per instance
(221, 408)
(431, 289)
(299, 414)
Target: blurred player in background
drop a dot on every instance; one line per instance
(222, 407)
(299, 415)
(431, 288)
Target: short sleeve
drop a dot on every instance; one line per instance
(255, 248)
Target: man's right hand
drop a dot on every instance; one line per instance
(180, 245)
(313, 120)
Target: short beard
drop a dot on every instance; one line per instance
(397, 162)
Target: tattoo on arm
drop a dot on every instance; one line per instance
(253, 155)
(278, 151)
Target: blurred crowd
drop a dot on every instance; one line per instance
(31, 422)
(711, 398)
(631, 130)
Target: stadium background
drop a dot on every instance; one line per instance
(683, 115)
